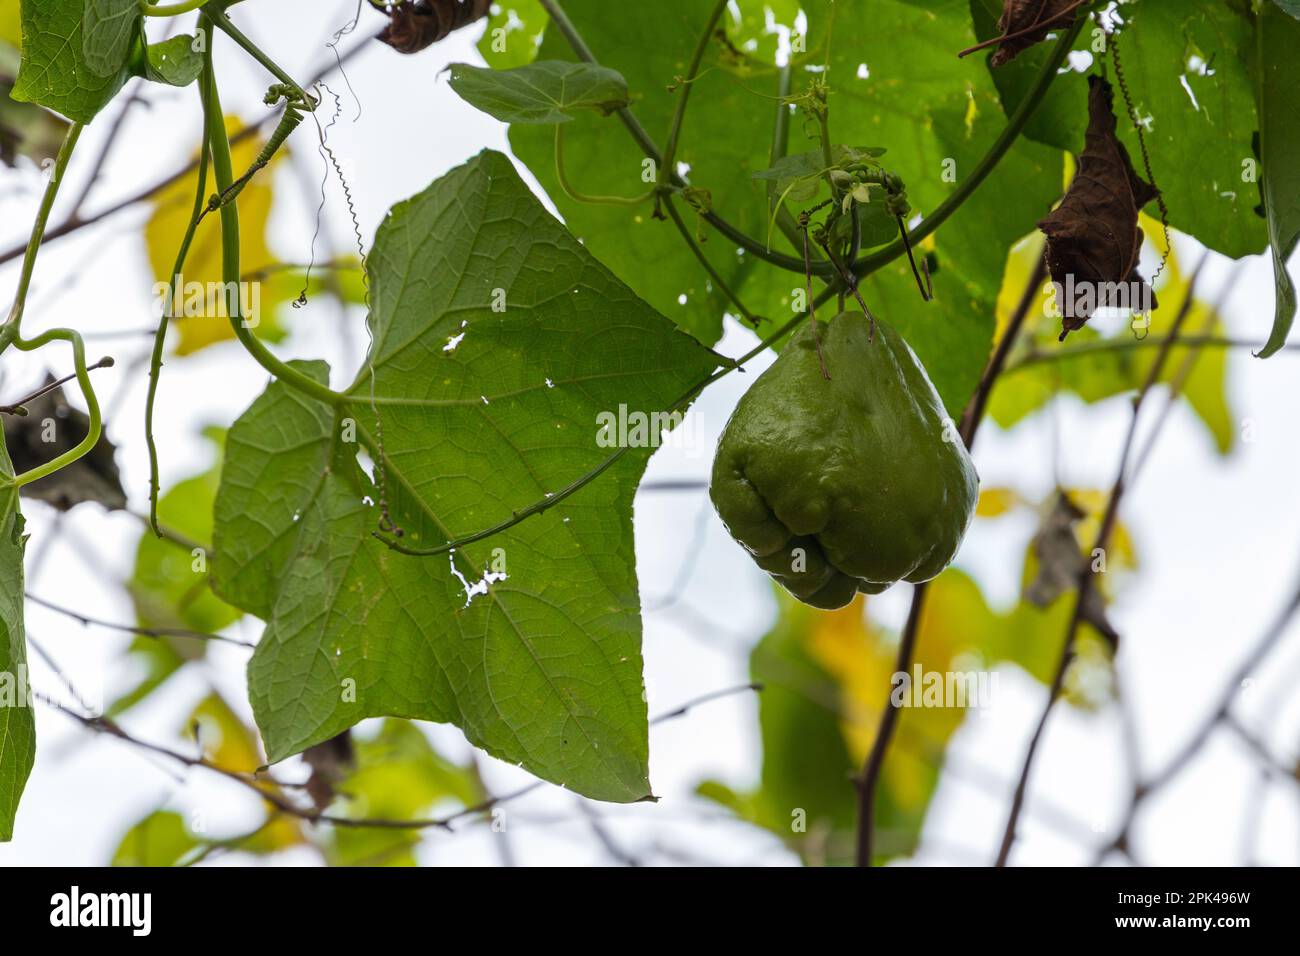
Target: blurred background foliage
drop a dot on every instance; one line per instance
(825, 675)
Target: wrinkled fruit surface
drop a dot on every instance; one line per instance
(844, 485)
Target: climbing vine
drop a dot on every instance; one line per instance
(444, 531)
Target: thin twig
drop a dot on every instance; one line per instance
(110, 140)
(1086, 577)
(158, 632)
(869, 780)
(1055, 19)
(18, 408)
(259, 785)
(1218, 715)
(974, 414)
(603, 837)
(72, 224)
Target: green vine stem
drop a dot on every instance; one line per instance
(160, 336)
(87, 391)
(666, 166)
(877, 260)
(9, 332)
(776, 209)
(222, 22)
(573, 193)
(223, 174)
(824, 137)
(171, 9)
(1035, 357)
(1014, 126)
(579, 483)
(714, 276)
(647, 145)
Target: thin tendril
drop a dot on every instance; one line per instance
(333, 44)
(1113, 49)
(324, 136)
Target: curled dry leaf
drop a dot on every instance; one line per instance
(1093, 238)
(1026, 22)
(51, 427)
(414, 25)
(330, 761)
(1061, 566)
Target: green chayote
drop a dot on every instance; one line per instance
(849, 483)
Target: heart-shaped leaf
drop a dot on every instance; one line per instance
(54, 71)
(497, 342)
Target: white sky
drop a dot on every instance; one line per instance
(1219, 543)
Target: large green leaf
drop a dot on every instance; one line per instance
(1278, 71)
(17, 723)
(547, 92)
(1185, 64)
(529, 640)
(894, 82)
(513, 34)
(54, 71)
(108, 28)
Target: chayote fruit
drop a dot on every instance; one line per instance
(848, 484)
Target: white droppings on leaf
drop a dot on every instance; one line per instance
(478, 587)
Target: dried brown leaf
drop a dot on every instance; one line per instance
(51, 427)
(1026, 22)
(1061, 566)
(331, 761)
(1093, 239)
(414, 25)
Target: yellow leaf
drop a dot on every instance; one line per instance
(856, 655)
(995, 502)
(225, 739)
(202, 273)
(850, 651)
(1022, 259)
(1120, 553)
(11, 23)
(229, 743)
